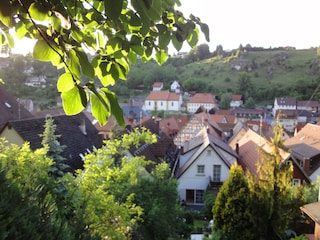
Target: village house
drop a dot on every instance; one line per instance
(283, 103)
(305, 147)
(157, 86)
(175, 87)
(204, 163)
(11, 109)
(76, 133)
(250, 146)
(161, 151)
(171, 126)
(206, 100)
(195, 124)
(236, 101)
(244, 114)
(312, 211)
(288, 119)
(163, 101)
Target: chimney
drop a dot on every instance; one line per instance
(237, 148)
(306, 165)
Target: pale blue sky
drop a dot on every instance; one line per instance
(261, 23)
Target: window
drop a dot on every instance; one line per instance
(296, 182)
(172, 104)
(161, 103)
(200, 169)
(217, 173)
(194, 196)
(149, 103)
(199, 196)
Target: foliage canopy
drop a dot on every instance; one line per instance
(115, 32)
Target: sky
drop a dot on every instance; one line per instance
(260, 23)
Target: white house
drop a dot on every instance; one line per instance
(236, 101)
(204, 161)
(206, 100)
(157, 86)
(163, 100)
(175, 87)
(283, 103)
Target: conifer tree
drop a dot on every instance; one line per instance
(271, 191)
(231, 211)
(54, 149)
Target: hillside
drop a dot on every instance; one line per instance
(272, 73)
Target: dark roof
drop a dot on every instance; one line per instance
(134, 112)
(77, 140)
(312, 210)
(163, 149)
(10, 109)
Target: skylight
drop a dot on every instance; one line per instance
(7, 105)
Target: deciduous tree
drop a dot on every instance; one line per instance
(115, 32)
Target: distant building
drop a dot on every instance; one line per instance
(236, 101)
(206, 100)
(163, 100)
(157, 86)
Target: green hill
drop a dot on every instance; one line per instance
(271, 72)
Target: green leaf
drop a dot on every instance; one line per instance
(5, 13)
(113, 8)
(161, 57)
(100, 107)
(114, 73)
(164, 39)
(72, 101)
(116, 110)
(86, 66)
(21, 30)
(101, 42)
(38, 12)
(74, 64)
(65, 82)
(205, 30)
(193, 38)
(43, 52)
(176, 43)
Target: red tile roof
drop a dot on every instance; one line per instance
(157, 84)
(203, 98)
(163, 95)
(236, 97)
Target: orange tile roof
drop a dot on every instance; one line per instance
(236, 97)
(163, 95)
(157, 84)
(203, 98)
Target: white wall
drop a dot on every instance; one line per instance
(191, 180)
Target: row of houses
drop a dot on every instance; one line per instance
(200, 148)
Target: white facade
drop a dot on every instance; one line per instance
(175, 87)
(193, 107)
(284, 104)
(163, 100)
(207, 167)
(234, 104)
